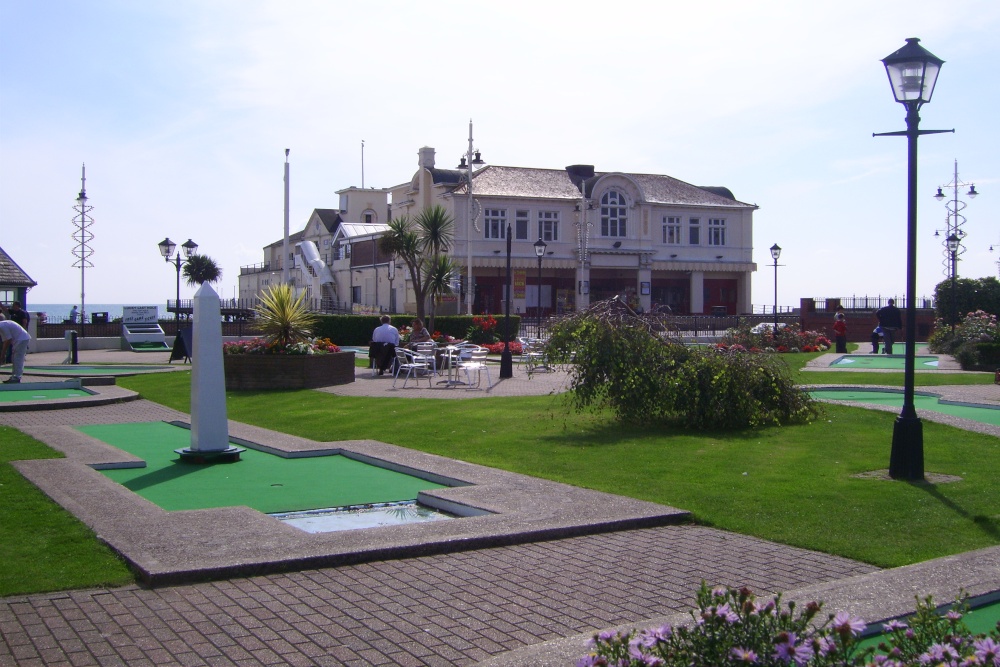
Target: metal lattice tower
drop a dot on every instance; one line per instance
(82, 236)
(954, 221)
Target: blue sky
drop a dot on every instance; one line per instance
(182, 111)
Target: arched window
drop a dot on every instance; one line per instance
(614, 214)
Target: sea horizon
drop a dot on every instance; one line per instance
(57, 312)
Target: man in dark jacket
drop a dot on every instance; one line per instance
(891, 321)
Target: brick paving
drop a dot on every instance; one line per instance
(454, 609)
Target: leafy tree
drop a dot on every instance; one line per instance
(420, 243)
(283, 317)
(201, 269)
(440, 273)
(622, 362)
(970, 295)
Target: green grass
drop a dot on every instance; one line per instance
(791, 484)
(42, 546)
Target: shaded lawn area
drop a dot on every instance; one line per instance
(790, 484)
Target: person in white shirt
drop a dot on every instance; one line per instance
(15, 337)
(385, 338)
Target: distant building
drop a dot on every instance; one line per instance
(652, 239)
(14, 282)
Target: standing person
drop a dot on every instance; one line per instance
(19, 315)
(891, 321)
(840, 331)
(14, 337)
(385, 338)
(72, 314)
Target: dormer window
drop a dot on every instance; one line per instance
(614, 214)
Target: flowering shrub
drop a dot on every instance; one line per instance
(261, 346)
(975, 327)
(483, 330)
(497, 348)
(787, 340)
(732, 628)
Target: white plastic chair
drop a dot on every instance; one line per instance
(409, 363)
(477, 362)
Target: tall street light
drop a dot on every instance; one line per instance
(540, 246)
(83, 250)
(912, 71)
(167, 250)
(506, 360)
(953, 243)
(472, 158)
(775, 254)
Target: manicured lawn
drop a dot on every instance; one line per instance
(790, 484)
(42, 546)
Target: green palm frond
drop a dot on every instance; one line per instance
(283, 317)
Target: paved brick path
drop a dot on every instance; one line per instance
(452, 609)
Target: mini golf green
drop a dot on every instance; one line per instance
(979, 621)
(28, 394)
(262, 481)
(982, 414)
(109, 369)
(884, 361)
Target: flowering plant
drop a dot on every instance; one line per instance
(261, 346)
(483, 330)
(732, 628)
(785, 340)
(497, 348)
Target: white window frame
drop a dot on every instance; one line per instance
(495, 223)
(614, 214)
(694, 231)
(672, 230)
(522, 222)
(716, 231)
(548, 225)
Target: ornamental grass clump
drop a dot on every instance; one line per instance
(283, 317)
(619, 361)
(732, 628)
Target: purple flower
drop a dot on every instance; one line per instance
(988, 651)
(824, 645)
(953, 616)
(938, 653)
(592, 661)
(789, 649)
(726, 613)
(894, 625)
(743, 655)
(845, 624)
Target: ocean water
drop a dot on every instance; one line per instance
(57, 312)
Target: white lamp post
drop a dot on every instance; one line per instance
(471, 158)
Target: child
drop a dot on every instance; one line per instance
(876, 334)
(840, 332)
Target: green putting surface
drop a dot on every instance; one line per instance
(27, 394)
(264, 482)
(884, 361)
(73, 369)
(983, 414)
(979, 620)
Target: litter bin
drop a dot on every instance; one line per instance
(98, 318)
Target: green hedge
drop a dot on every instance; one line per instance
(357, 329)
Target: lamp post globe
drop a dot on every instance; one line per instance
(775, 254)
(953, 244)
(167, 248)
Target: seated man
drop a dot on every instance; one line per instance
(385, 338)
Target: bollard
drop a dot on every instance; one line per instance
(996, 378)
(72, 344)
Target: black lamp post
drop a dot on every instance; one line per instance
(953, 243)
(540, 246)
(506, 360)
(913, 71)
(775, 254)
(167, 250)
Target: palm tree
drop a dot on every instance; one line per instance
(420, 243)
(201, 269)
(283, 317)
(440, 272)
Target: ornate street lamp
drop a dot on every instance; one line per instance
(470, 160)
(912, 71)
(167, 250)
(953, 243)
(775, 254)
(506, 360)
(540, 246)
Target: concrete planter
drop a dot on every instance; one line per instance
(288, 371)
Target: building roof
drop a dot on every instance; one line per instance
(354, 230)
(330, 217)
(12, 275)
(499, 181)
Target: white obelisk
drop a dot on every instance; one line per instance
(209, 424)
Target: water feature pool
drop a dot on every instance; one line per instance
(364, 516)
